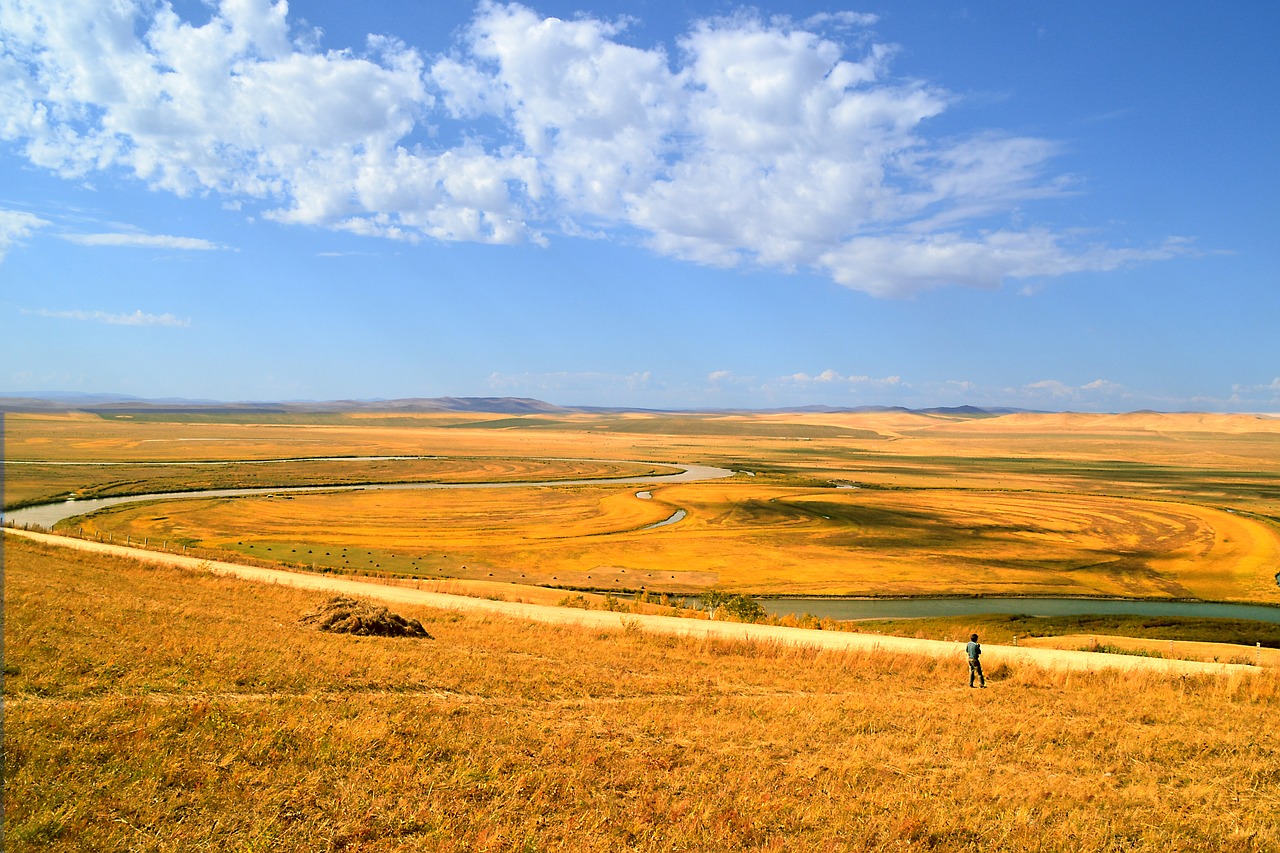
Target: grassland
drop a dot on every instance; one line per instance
(155, 708)
(152, 708)
(1139, 505)
(29, 483)
(744, 537)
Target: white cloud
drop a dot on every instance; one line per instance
(831, 378)
(142, 241)
(137, 318)
(1267, 393)
(896, 265)
(841, 19)
(760, 142)
(1091, 393)
(823, 377)
(1051, 387)
(16, 226)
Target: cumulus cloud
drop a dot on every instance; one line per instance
(1062, 393)
(137, 318)
(142, 241)
(752, 141)
(1051, 387)
(834, 377)
(16, 226)
(1266, 394)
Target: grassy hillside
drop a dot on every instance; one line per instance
(157, 709)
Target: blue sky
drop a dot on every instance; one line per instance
(683, 205)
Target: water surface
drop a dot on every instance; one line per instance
(908, 608)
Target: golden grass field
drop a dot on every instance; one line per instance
(163, 709)
(744, 537)
(154, 708)
(1141, 505)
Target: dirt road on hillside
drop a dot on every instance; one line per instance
(993, 655)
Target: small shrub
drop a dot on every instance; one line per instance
(743, 608)
(1108, 649)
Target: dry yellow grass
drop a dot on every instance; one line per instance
(1033, 504)
(156, 709)
(1168, 649)
(751, 537)
(78, 437)
(43, 482)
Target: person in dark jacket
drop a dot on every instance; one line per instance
(974, 651)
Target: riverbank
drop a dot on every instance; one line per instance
(606, 620)
(47, 515)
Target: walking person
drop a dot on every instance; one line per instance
(974, 651)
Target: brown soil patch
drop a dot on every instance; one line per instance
(344, 615)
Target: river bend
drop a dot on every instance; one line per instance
(47, 515)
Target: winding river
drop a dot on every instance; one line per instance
(47, 515)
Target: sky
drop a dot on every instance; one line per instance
(683, 205)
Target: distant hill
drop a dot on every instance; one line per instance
(117, 404)
(492, 405)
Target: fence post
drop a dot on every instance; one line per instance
(1257, 655)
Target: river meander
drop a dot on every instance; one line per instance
(47, 515)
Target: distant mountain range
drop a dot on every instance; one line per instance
(123, 404)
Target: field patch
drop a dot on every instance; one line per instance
(27, 482)
(745, 536)
(1144, 505)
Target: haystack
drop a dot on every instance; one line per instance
(343, 615)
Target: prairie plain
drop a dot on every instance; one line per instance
(155, 708)
(151, 707)
(885, 503)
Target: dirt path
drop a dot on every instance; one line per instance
(1051, 658)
